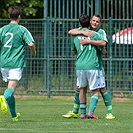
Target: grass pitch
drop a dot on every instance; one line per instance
(44, 115)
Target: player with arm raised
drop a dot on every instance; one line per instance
(95, 23)
(87, 68)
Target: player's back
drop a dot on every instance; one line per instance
(12, 46)
(87, 58)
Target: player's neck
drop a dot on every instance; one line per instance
(14, 22)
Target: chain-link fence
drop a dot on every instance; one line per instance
(52, 71)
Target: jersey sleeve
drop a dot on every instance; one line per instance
(73, 48)
(0, 33)
(27, 37)
(103, 35)
(96, 36)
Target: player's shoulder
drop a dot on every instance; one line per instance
(1, 28)
(4, 27)
(22, 27)
(101, 30)
(79, 28)
(94, 32)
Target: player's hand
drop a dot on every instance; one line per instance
(84, 41)
(104, 51)
(88, 33)
(34, 53)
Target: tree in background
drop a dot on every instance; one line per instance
(30, 8)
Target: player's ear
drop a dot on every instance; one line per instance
(19, 17)
(100, 24)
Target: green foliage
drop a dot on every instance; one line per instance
(30, 8)
(43, 115)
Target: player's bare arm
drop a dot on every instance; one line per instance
(32, 48)
(77, 32)
(93, 42)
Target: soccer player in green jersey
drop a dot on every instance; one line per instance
(95, 23)
(13, 39)
(87, 67)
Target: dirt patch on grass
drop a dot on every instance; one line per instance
(122, 99)
(68, 97)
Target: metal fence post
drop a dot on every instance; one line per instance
(97, 6)
(45, 13)
(47, 75)
(110, 57)
(48, 61)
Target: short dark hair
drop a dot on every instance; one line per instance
(84, 20)
(14, 12)
(98, 16)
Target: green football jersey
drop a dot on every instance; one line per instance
(103, 37)
(87, 58)
(13, 38)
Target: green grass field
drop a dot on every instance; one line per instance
(44, 115)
